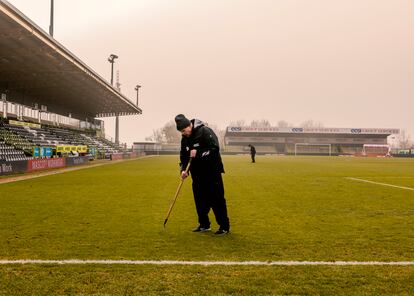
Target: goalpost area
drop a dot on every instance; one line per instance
(375, 150)
(313, 149)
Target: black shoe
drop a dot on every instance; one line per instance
(201, 229)
(221, 232)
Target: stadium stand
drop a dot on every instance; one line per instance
(305, 141)
(12, 146)
(10, 153)
(65, 136)
(26, 138)
(101, 145)
(50, 101)
(12, 138)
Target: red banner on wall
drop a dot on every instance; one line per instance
(117, 156)
(44, 164)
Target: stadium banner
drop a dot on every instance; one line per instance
(130, 155)
(117, 156)
(404, 152)
(72, 161)
(312, 130)
(44, 164)
(232, 140)
(13, 167)
(24, 166)
(133, 155)
(22, 123)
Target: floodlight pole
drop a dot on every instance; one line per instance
(111, 59)
(137, 89)
(51, 18)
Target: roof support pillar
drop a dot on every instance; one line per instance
(4, 102)
(19, 112)
(117, 129)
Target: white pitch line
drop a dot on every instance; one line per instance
(378, 183)
(204, 263)
(387, 177)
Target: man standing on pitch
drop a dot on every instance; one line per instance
(200, 143)
(252, 153)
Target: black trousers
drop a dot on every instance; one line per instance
(253, 155)
(209, 194)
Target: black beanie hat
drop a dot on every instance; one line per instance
(182, 122)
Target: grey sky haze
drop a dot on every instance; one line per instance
(343, 63)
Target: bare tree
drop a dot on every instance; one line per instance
(167, 134)
(156, 136)
(404, 140)
(239, 122)
(219, 132)
(260, 123)
(311, 123)
(283, 123)
(170, 133)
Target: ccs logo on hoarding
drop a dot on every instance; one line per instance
(356, 130)
(235, 129)
(297, 130)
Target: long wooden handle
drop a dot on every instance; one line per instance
(177, 192)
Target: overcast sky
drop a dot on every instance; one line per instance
(347, 63)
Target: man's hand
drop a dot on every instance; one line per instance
(184, 175)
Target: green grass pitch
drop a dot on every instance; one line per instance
(280, 209)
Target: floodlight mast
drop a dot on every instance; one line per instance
(111, 59)
(51, 17)
(137, 89)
